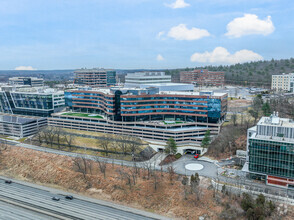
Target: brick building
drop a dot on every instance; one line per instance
(203, 77)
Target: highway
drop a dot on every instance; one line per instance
(20, 200)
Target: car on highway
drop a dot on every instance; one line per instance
(55, 198)
(69, 197)
(8, 181)
(196, 156)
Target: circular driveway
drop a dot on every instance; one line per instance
(194, 166)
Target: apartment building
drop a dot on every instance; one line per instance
(270, 151)
(203, 77)
(33, 101)
(139, 78)
(283, 82)
(95, 77)
(146, 113)
(30, 81)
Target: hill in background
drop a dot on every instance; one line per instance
(248, 74)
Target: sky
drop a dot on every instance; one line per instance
(130, 34)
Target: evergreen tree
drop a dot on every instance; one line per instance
(206, 139)
(171, 147)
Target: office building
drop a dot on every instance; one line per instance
(29, 81)
(20, 126)
(95, 77)
(34, 101)
(283, 82)
(203, 77)
(177, 87)
(146, 113)
(139, 78)
(270, 151)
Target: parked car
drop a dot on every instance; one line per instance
(8, 181)
(55, 198)
(69, 197)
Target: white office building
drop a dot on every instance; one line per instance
(283, 82)
(139, 78)
(30, 81)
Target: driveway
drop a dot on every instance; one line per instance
(208, 170)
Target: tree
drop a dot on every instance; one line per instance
(171, 147)
(266, 109)
(247, 202)
(234, 118)
(195, 188)
(104, 143)
(206, 139)
(254, 114)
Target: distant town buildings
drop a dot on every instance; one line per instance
(203, 77)
(35, 101)
(139, 78)
(95, 77)
(270, 151)
(144, 112)
(19, 125)
(29, 81)
(283, 82)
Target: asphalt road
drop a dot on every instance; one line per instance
(209, 170)
(20, 200)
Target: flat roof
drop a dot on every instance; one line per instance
(19, 119)
(167, 84)
(93, 70)
(276, 121)
(219, 94)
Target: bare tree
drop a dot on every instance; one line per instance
(81, 165)
(69, 139)
(102, 164)
(104, 143)
(234, 118)
(123, 143)
(134, 144)
(171, 172)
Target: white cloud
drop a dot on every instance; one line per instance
(159, 57)
(249, 24)
(181, 32)
(24, 68)
(221, 55)
(178, 4)
(160, 34)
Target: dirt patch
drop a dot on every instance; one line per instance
(168, 159)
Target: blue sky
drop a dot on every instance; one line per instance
(69, 34)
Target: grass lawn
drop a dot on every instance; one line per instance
(88, 115)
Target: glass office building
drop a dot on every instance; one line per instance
(270, 150)
(31, 101)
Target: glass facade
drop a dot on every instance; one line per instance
(111, 78)
(133, 105)
(271, 157)
(36, 104)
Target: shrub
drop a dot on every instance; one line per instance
(178, 156)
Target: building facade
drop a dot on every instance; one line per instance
(283, 82)
(95, 77)
(270, 151)
(31, 101)
(146, 113)
(30, 81)
(139, 78)
(20, 126)
(203, 77)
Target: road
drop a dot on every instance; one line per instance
(210, 169)
(20, 200)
